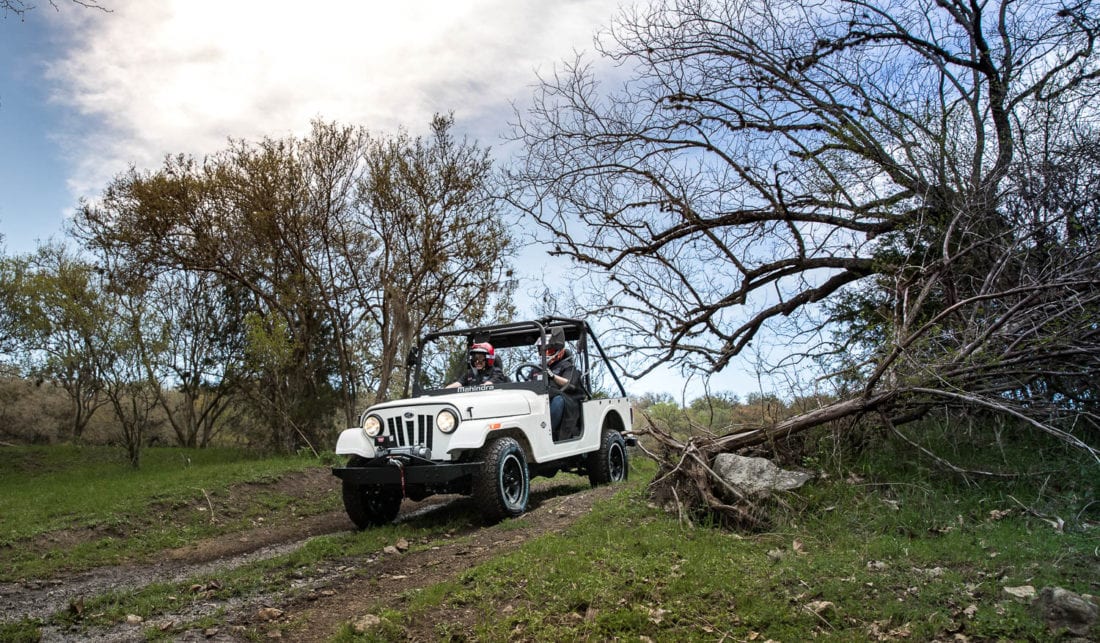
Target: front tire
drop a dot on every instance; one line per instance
(370, 505)
(610, 463)
(503, 485)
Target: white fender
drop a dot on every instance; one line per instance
(354, 442)
(472, 435)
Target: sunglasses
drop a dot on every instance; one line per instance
(550, 350)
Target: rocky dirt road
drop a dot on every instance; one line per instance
(320, 600)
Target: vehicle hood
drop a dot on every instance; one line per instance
(474, 405)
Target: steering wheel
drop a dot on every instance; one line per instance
(528, 371)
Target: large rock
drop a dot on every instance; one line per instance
(757, 476)
(1061, 608)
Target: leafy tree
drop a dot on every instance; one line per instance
(331, 248)
(851, 168)
(256, 216)
(202, 342)
(57, 309)
(716, 411)
(9, 278)
(133, 340)
(443, 249)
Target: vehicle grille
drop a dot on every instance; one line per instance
(414, 431)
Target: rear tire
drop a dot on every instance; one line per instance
(503, 485)
(610, 463)
(370, 505)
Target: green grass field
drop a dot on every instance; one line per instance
(878, 547)
(118, 510)
(852, 560)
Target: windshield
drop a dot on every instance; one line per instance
(446, 360)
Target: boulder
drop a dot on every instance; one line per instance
(757, 476)
(1063, 609)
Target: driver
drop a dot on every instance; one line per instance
(483, 370)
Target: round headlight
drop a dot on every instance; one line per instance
(372, 426)
(446, 421)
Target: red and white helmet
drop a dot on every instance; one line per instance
(483, 348)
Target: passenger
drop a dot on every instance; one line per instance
(483, 370)
(566, 387)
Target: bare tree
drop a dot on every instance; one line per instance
(847, 165)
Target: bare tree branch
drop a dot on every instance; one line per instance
(20, 8)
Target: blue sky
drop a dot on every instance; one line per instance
(86, 93)
(33, 192)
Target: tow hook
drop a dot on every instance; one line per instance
(400, 467)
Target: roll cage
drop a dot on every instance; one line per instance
(577, 333)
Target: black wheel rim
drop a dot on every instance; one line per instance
(616, 462)
(376, 502)
(511, 480)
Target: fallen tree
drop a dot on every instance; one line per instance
(908, 190)
(1028, 353)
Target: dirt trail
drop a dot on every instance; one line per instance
(385, 581)
(41, 598)
(319, 601)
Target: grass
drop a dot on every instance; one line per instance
(117, 512)
(882, 549)
(881, 546)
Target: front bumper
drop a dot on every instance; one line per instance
(405, 471)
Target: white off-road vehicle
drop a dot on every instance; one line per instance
(487, 441)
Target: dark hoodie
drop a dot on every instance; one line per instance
(488, 375)
(572, 393)
(564, 367)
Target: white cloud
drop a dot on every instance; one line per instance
(154, 78)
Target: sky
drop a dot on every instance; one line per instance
(84, 93)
